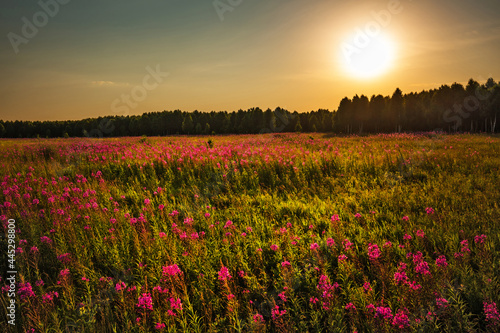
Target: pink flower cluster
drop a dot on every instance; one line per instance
(25, 291)
(400, 275)
(145, 302)
(276, 313)
(258, 318)
(327, 290)
(441, 261)
(373, 251)
(65, 258)
(50, 296)
(479, 239)
(421, 266)
(224, 274)
(383, 313)
(441, 303)
(172, 270)
(286, 264)
(491, 313)
(401, 320)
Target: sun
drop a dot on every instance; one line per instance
(367, 56)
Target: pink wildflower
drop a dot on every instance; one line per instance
(314, 246)
(224, 274)
(145, 302)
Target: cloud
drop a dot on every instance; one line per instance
(108, 84)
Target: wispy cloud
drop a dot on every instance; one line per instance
(108, 84)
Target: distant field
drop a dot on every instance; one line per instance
(264, 233)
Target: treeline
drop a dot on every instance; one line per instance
(473, 108)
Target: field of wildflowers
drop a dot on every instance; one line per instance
(269, 233)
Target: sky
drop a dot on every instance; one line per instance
(71, 59)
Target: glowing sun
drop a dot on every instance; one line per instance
(364, 56)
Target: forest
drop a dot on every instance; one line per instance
(473, 108)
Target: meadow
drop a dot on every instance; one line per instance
(253, 233)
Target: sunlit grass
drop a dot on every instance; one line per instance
(255, 233)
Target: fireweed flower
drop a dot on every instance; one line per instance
(400, 275)
(286, 264)
(335, 218)
(120, 286)
(327, 290)
(414, 285)
(25, 291)
(401, 320)
(258, 318)
(347, 244)
(373, 251)
(367, 287)
(383, 312)
(491, 313)
(49, 297)
(160, 326)
(224, 274)
(330, 242)
(175, 303)
(479, 239)
(429, 211)
(465, 246)
(172, 270)
(405, 218)
(441, 261)
(314, 246)
(145, 302)
(276, 313)
(350, 307)
(45, 239)
(423, 268)
(441, 303)
(420, 233)
(274, 247)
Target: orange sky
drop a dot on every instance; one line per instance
(97, 59)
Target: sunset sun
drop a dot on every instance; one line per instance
(367, 57)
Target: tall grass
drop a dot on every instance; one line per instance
(386, 233)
